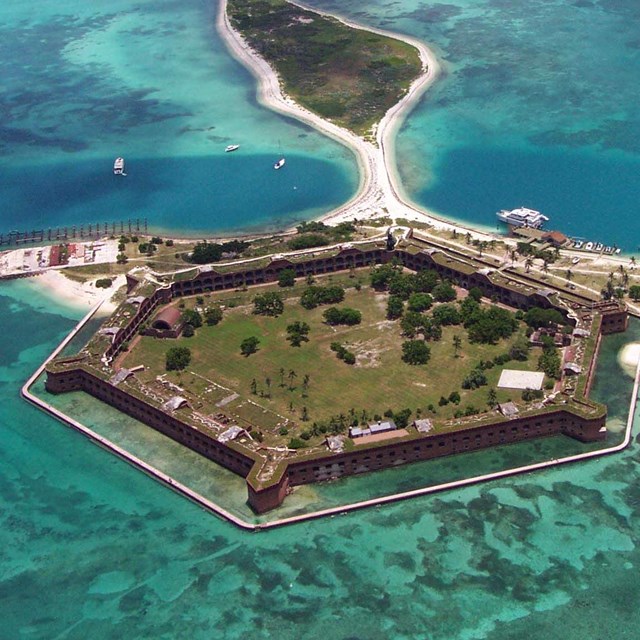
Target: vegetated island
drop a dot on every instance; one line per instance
(346, 75)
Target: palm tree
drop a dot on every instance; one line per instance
(292, 376)
(569, 275)
(282, 376)
(457, 344)
(632, 260)
(528, 263)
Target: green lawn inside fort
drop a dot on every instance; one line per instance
(287, 392)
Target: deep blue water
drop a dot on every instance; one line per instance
(185, 195)
(581, 192)
(153, 82)
(535, 106)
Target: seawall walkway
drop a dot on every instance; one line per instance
(223, 513)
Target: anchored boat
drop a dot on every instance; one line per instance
(232, 147)
(279, 164)
(522, 217)
(118, 167)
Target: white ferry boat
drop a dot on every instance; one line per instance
(522, 217)
(279, 164)
(118, 167)
(232, 147)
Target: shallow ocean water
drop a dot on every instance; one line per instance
(83, 83)
(535, 107)
(89, 547)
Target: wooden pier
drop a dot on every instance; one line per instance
(73, 232)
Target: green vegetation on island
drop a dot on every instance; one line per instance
(346, 75)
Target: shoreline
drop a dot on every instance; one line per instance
(379, 190)
(77, 295)
(343, 509)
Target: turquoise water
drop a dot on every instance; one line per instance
(92, 548)
(535, 107)
(227, 490)
(151, 81)
(542, 92)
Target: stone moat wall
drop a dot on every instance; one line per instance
(359, 460)
(329, 466)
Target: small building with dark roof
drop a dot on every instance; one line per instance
(556, 238)
(167, 324)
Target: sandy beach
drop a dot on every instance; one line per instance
(81, 295)
(379, 191)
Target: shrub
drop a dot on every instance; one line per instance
(268, 304)
(192, 317)
(420, 301)
(447, 314)
(188, 331)
(314, 295)
(347, 316)
(519, 349)
(349, 358)
(104, 283)
(213, 315)
(415, 352)
(532, 394)
(475, 378)
(249, 346)
(308, 240)
(287, 278)
(490, 325)
(297, 333)
(381, 276)
(205, 252)
(177, 358)
(297, 443)
(444, 292)
(395, 307)
(342, 354)
(537, 317)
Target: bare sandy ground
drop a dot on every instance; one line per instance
(77, 294)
